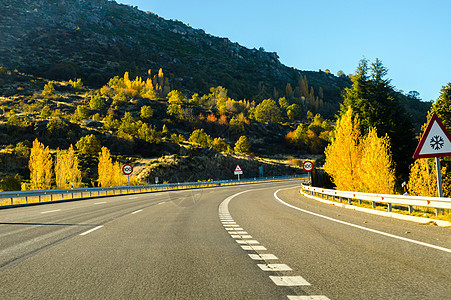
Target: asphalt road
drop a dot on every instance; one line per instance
(236, 242)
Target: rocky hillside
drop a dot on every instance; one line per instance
(97, 39)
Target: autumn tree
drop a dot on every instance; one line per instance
(88, 145)
(359, 163)
(67, 172)
(423, 178)
(128, 124)
(242, 146)
(96, 102)
(175, 103)
(146, 112)
(343, 154)
(376, 171)
(110, 174)
(375, 101)
(200, 137)
(220, 145)
(268, 111)
(49, 89)
(40, 165)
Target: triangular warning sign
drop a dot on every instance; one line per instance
(435, 142)
(238, 169)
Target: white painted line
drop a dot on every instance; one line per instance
(254, 248)
(262, 256)
(130, 198)
(135, 212)
(230, 229)
(274, 267)
(247, 242)
(91, 230)
(246, 236)
(50, 211)
(100, 203)
(289, 280)
(313, 297)
(241, 232)
(236, 236)
(363, 228)
(231, 225)
(161, 203)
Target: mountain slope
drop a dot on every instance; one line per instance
(98, 39)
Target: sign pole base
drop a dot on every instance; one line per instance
(439, 177)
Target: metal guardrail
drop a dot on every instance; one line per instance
(410, 201)
(21, 198)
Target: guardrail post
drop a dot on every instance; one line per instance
(390, 207)
(340, 199)
(349, 200)
(26, 199)
(410, 209)
(360, 201)
(39, 198)
(374, 204)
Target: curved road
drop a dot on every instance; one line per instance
(260, 241)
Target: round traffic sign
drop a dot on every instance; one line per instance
(307, 166)
(127, 169)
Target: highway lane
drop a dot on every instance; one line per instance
(176, 245)
(344, 262)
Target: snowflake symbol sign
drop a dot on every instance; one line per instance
(437, 142)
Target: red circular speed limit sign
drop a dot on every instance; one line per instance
(307, 166)
(127, 169)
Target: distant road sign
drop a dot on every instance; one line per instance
(307, 166)
(435, 142)
(127, 169)
(238, 170)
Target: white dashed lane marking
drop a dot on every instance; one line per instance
(91, 230)
(50, 211)
(135, 212)
(274, 267)
(307, 298)
(254, 248)
(289, 280)
(247, 243)
(262, 256)
(97, 203)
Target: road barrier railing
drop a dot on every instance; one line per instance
(439, 204)
(21, 198)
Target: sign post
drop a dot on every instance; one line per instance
(435, 142)
(308, 167)
(127, 170)
(238, 171)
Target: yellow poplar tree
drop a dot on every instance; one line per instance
(376, 173)
(109, 174)
(67, 173)
(343, 154)
(40, 165)
(423, 178)
(105, 168)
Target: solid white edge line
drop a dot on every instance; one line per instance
(91, 230)
(135, 212)
(361, 227)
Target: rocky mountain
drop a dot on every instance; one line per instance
(97, 39)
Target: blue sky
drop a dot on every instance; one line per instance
(412, 38)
